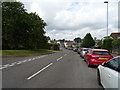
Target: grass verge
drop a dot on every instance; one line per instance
(25, 52)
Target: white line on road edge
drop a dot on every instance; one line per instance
(39, 71)
(20, 62)
(65, 54)
(59, 58)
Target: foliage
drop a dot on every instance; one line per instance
(77, 40)
(116, 44)
(21, 30)
(54, 46)
(107, 44)
(98, 47)
(88, 41)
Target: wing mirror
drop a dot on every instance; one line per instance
(104, 64)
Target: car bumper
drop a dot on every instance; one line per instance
(97, 62)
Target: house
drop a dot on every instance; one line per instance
(115, 35)
(68, 43)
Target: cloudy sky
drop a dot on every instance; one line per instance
(68, 19)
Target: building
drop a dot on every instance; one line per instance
(115, 35)
(68, 43)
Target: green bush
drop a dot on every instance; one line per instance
(116, 45)
(107, 44)
(54, 46)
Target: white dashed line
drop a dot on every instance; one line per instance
(6, 65)
(65, 54)
(33, 58)
(3, 67)
(59, 58)
(39, 71)
(29, 59)
(24, 61)
(20, 62)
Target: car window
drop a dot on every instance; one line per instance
(114, 64)
(101, 53)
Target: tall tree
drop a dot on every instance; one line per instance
(21, 30)
(77, 40)
(88, 41)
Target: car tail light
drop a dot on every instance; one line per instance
(94, 57)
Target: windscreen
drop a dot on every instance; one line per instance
(101, 53)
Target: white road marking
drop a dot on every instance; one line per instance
(59, 58)
(29, 59)
(24, 61)
(33, 58)
(5, 65)
(39, 71)
(12, 64)
(65, 54)
(20, 62)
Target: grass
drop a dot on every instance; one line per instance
(25, 52)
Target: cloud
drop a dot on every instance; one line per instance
(72, 18)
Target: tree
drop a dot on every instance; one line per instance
(107, 44)
(116, 45)
(20, 29)
(88, 41)
(77, 40)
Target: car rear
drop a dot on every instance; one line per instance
(83, 51)
(100, 56)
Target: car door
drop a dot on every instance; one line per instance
(109, 74)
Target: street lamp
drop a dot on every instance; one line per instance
(107, 16)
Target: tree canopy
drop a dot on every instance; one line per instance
(20, 29)
(77, 40)
(88, 41)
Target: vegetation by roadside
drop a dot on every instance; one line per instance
(26, 52)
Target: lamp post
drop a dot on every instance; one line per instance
(107, 16)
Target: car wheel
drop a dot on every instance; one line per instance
(98, 76)
(84, 59)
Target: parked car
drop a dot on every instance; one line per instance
(97, 56)
(83, 51)
(109, 74)
(70, 48)
(78, 50)
(75, 49)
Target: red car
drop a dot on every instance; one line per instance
(97, 56)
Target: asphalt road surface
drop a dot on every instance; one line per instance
(64, 69)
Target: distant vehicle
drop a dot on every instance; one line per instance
(70, 48)
(83, 51)
(79, 50)
(75, 49)
(109, 74)
(97, 56)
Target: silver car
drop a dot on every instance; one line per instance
(83, 51)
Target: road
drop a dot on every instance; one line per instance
(64, 69)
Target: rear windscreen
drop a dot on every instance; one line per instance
(101, 53)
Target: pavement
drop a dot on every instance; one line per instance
(64, 69)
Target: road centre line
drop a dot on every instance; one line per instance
(59, 58)
(65, 54)
(39, 71)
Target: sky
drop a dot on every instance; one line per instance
(68, 19)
